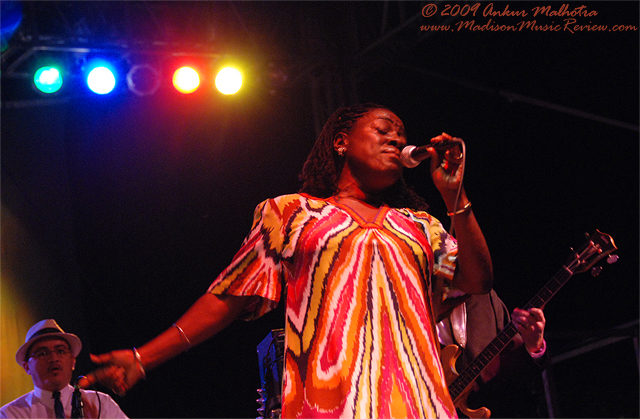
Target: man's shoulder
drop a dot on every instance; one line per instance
(94, 394)
(23, 402)
(102, 401)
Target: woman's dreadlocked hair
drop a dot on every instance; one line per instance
(323, 166)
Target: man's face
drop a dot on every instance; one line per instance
(50, 363)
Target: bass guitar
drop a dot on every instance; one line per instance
(598, 246)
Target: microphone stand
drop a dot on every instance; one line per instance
(77, 405)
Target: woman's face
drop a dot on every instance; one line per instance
(373, 147)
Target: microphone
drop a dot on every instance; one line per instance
(77, 404)
(411, 155)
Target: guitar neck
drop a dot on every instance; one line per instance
(497, 345)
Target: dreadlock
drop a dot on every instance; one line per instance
(320, 172)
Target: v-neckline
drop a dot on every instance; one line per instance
(377, 220)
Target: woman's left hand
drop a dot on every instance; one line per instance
(445, 167)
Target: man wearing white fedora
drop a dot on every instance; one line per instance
(48, 355)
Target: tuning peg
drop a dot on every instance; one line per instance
(573, 252)
(612, 259)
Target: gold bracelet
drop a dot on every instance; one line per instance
(461, 210)
(183, 335)
(136, 355)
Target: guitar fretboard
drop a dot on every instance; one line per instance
(501, 341)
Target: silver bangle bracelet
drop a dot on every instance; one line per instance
(461, 210)
(136, 355)
(183, 336)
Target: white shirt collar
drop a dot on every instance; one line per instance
(46, 396)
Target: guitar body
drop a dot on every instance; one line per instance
(449, 355)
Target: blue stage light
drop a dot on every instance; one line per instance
(101, 80)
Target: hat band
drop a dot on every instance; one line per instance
(44, 332)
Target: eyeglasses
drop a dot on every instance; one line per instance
(45, 353)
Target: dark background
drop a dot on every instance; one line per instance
(137, 203)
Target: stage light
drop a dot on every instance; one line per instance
(48, 79)
(143, 79)
(10, 15)
(101, 80)
(229, 80)
(107, 72)
(186, 80)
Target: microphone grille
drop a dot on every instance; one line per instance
(405, 156)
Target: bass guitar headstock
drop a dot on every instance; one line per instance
(598, 246)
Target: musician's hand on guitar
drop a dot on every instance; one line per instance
(530, 325)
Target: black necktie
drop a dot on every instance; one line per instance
(57, 405)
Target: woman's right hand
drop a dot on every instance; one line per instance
(122, 361)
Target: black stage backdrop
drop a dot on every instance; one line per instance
(140, 202)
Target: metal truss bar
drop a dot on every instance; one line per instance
(622, 332)
(388, 35)
(588, 348)
(515, 97)
(564, 109)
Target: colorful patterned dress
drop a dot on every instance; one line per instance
(360, 336)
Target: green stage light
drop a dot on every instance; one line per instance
(48, 79)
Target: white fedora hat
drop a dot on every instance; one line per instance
(43, 329)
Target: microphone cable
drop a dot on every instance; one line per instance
(77, 404)
(461, 168)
